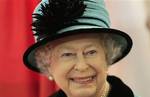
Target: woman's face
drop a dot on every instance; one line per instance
(79, 67)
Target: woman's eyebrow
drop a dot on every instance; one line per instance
(65, 48)
(91, 46)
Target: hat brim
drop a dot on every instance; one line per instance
(28, 57)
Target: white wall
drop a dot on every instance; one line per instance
(134, 70)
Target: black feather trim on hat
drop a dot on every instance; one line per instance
(56, 15)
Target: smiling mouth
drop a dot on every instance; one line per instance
(83, 80)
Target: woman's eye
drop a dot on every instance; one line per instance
(67, 54)
(91, 52)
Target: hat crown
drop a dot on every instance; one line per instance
(51, 17)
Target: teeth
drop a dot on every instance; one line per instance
(83, 80)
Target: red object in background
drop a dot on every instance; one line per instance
(15, 36)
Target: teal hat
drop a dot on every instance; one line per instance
(53, 19)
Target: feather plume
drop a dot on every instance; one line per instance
(56, 15)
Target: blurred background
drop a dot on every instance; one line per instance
(131, 16)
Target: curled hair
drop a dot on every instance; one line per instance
(112, 48)
(42, 57)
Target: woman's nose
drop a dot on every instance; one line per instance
(81, 64)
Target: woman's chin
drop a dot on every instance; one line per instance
(84, 92)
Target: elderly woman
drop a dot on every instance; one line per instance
(75, 47)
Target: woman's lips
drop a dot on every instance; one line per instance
(83, 80)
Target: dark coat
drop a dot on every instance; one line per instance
(118, 89)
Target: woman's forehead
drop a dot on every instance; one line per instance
(78, 43)
(76, 38)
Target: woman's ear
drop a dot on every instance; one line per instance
(49, 76)
(48, 73)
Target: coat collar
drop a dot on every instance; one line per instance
(118, 89)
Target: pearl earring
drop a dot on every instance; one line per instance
(50, 78)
